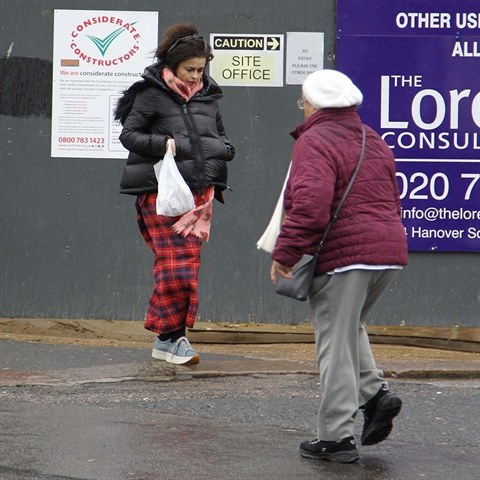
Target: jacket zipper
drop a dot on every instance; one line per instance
(200, 165)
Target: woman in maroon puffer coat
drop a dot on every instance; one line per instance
(364, 250)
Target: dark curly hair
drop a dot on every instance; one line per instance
(181, 42)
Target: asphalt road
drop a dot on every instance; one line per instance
(214, 427)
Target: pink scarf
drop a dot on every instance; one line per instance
(197, 221)
(175, 84)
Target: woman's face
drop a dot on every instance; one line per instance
(308, 109)
(190, 71)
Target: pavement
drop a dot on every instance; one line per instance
(72, 352)
(83, 399)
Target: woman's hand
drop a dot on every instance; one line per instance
(171, 144)
(282, 270)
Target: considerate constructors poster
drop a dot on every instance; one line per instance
(96, 55)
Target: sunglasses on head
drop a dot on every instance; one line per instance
(186, 39)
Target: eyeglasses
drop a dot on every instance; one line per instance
(300, 104)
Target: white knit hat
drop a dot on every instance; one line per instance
(330, 89)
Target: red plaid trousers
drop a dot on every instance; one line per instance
(174, 301)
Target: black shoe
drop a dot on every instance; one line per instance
(379, 413)
(344, 451)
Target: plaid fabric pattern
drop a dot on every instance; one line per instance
(174, 301)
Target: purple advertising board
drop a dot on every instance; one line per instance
(417, 63)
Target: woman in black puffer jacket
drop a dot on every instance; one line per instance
(176, 105)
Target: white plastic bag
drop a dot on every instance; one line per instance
(268, 239)
(174, 197)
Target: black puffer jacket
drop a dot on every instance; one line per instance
(151, 112)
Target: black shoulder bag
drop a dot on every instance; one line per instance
(298, 286)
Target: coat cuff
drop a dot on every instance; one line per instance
(287, 256)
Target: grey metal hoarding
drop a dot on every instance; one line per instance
(69, 243)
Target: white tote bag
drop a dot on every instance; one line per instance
(268, 239)
(174, 197)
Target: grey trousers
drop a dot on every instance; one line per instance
(340, 304)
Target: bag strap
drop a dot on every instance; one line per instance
(347, 191)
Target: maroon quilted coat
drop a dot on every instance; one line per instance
(369, 229)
